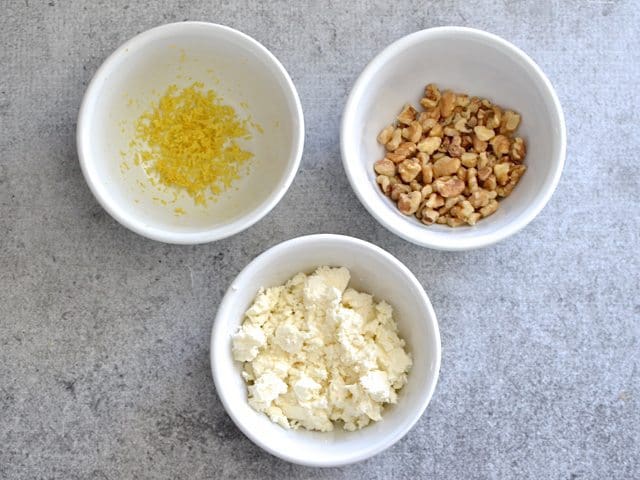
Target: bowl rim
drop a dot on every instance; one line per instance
(218, 330)
(358, 90)
(129, 220)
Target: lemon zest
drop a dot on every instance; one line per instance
(191, 140)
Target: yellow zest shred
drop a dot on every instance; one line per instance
(189, 140)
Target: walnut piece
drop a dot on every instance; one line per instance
(451, 187)
(385, 134)
(446, 166)
(409, 169)
(396, 139)
(429, 145)
(408, 203)
(407, 115)
(385, 167)
(414, 131)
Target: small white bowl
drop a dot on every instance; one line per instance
(469, 61)
(246, 75)
(373, 270)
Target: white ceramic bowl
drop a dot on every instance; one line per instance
(244, 73)
(373, 270)
(464, 60)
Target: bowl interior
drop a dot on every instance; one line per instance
(373, 271)
(467, 61)
(247, 78)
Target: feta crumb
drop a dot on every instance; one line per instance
(289, 338)
(376, 384)
(266, 389)
(247, 342)
(305, 388)
(334, 277)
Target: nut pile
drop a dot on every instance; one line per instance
(450, 163)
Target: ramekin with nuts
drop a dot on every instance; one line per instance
(451, 162)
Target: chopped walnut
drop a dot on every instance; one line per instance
(450, 163)
(510, 121)
(427, 174)
(434, 201)
(385, 134)
(414, 131)
(409, 169)
(446, 166)
(484, 173)
(407, 115)
(461, 125)
(385, 167)
(489, 209)
(469, 159)
(483, 133)
(429, 145)
(397, 190)
(426, 191)
(518, 149)
(395, 157)
(501, 171)
(455, 148)
(431, 96)
(394, 142)
(429, 216)
(500, 144)
(436, 131)
(451, 188)
(407, 149)
(384, 182)
(447, 103)
(408, 203)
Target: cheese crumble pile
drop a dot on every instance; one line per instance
(318, 354)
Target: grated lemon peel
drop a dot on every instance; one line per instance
(190, 140)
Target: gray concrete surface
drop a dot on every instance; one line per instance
(104, 370)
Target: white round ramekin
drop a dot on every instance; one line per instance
(469, 61)
(373, 270)
(247, 77)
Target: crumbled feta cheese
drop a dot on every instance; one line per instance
(247, 342)
(289, 338)
(317, 352)
(376, 384)
(337, 278)
(306, 389)
(266, 389)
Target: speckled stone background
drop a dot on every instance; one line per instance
(104, 370)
